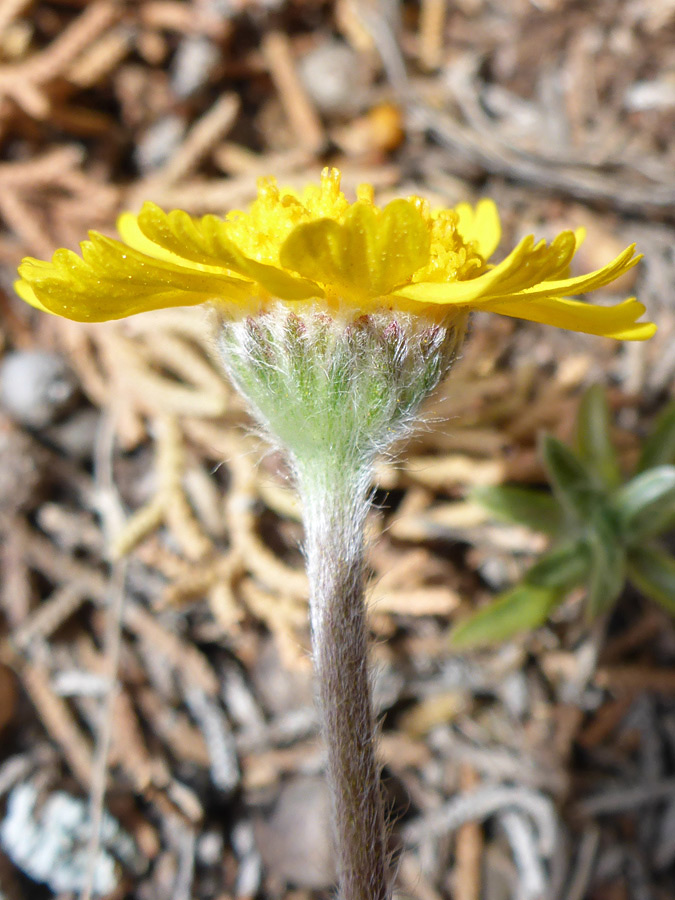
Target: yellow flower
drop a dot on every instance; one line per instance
(315, 246)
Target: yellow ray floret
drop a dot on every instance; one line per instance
(314, 246)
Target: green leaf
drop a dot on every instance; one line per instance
(561, 568)
(571, 479)
(607, 566)
(646, 505)
(659, 448)
(519, 609)
(593, 436)
(535, 509)
(652, 571)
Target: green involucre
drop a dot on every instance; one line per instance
(335, 393)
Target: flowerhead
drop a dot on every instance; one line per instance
(315, 247)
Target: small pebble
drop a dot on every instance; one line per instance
(388, 683)
(295, 841)
(249, 874)
(280, 689)
(210, 848)
(195, 58)
(159, 143)
(21, 474)
(36, 387)
(48, 838)
(76, 435)
(331, 75)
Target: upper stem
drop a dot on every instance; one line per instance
(334, 514)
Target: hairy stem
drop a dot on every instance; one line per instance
(335, 390)
(334, 513)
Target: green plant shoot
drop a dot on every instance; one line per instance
(605, 532)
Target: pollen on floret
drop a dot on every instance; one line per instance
(330, 182)
(421, 205)
(365, 193)
(451, 258)
(324, 200)
(268, 190)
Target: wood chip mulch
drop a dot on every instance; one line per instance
(154, 644)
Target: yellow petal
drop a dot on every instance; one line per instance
(527, 264)
(545, 261)
(480, 224)
(274, 279)
(366, 256)
(131, 234)
(203, 244)
(581, 284)
(111, 281)
(579, 237)
(619, 321)
(26, 292)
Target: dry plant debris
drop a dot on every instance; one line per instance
(548, 761)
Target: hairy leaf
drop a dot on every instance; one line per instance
(652, 570)
(535, 509)
(646, 505)
(562, 567)
(659, 448)
(607, 567)
(519, 609)
(571, 479)
(594, 436)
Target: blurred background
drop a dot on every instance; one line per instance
(146, 531)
